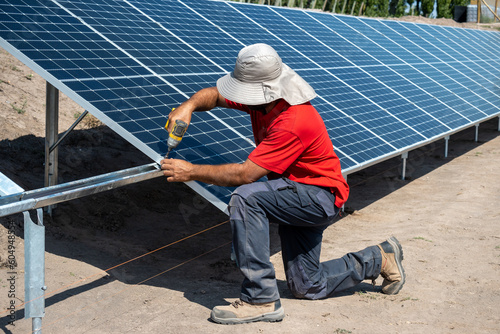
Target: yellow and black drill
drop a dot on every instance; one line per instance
(175, 137)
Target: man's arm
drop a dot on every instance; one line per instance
(222, 175)
(203, 100)
(228, 175)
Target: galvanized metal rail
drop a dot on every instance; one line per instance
(34, 199)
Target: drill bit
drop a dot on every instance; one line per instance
(168, 152)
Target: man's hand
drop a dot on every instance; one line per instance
(183, 113)
(177, 170)
(228, 175)
(203, 100)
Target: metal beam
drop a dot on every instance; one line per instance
(34, 268)
(51, 134)
(56, 144)
(39, 198)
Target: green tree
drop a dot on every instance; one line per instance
(392, 6)
(410, 4)
(443, 9)
(379, 8)
(400, 8)
(427, 7)
(397, 8)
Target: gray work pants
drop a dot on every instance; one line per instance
(303, 212)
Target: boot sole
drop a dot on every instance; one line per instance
(275, 316)
(398, 255)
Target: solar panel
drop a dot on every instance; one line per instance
(384, 87)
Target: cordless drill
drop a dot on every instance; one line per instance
(175, 137)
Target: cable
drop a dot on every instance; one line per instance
(141, 282)
(118, 265)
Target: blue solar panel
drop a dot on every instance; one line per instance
(383, 86)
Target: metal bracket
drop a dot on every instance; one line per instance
(446, 140)
(56, 144)
(404, 156)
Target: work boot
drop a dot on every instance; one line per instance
(240, 312)
(392, 271)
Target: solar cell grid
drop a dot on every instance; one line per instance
(330, 38)
(142, 38)
(402, 47)
(488, 71)
(467, 89)
(442, 43)
(449, 90)
(283, 25)
(355, 37)
(239, 27)
(213, 43)
(383, 123)
(396, 77)
(442, 94)
(392, 53)
(349, 137)
(482, 44)
(294, 39)
(481, 86)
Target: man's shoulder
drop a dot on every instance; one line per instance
(301, 114)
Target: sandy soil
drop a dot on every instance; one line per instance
(446, 215)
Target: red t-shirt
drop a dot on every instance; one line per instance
(292, 141)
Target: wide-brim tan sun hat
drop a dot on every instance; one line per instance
(260, 77)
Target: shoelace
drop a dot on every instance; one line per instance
(237, 303)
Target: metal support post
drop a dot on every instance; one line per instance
(34, 268)
(51, 134)
(477, 133)
(404, 156)
(446, 139)
(498, 123)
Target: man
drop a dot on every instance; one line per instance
(303, 194)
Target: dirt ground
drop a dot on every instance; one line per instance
(153, 257)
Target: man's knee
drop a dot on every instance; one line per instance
(301, 285)
(236, 207)
(297, 290)
(303, 292)
(245, 195)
